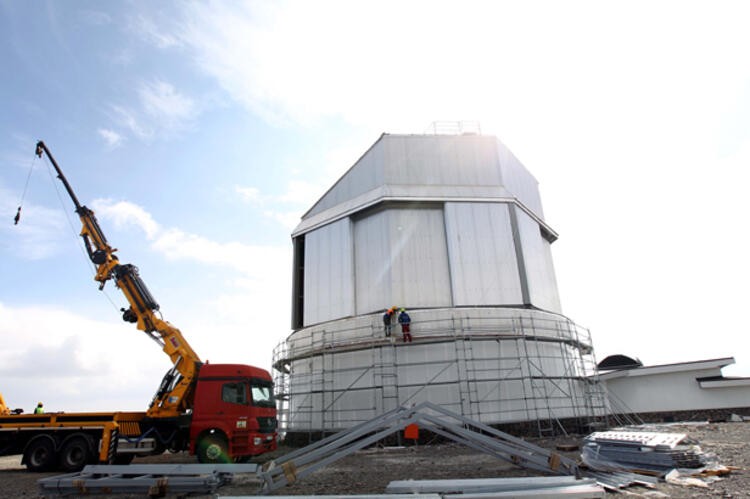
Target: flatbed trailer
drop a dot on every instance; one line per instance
(68, 441)
(233, 419)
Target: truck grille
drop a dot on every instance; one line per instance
(267, 425)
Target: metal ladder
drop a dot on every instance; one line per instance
(466, 376)
(386, 376)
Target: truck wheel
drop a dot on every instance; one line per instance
(40, 454)
(76, 452)
(213, 449)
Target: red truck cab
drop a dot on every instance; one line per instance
(234, 413)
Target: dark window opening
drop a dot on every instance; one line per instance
(298, 283)
(234, 393)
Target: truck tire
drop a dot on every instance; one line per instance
(39, 454)
(76, 452)
(213, 449)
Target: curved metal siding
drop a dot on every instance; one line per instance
(494, 365)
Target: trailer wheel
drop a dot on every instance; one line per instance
(40, 453)
(76, 452)
(213, 449)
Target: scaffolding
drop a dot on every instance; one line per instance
(535, 370)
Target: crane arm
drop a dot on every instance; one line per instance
(175, 394)
(4, 411)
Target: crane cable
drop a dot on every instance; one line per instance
(74, 231)
(17, 218)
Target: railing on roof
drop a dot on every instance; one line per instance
(454, 128)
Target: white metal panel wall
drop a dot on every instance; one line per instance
(435, 160)
(329, 271)
(484, 267)
(401, 259)
(517, 179)
(537, 257)
(372, 257)
(420, 273)
(441, 160)
(676, 391)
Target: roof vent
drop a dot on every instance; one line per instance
(454, 128)
(619, 361)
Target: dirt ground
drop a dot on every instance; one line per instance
(370, 470)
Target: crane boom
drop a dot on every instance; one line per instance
(4, 411)
(176, 391)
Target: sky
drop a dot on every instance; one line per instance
(200, 132)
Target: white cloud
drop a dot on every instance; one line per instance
(297, 198)
(288, 219)
(252, 261)
(530, 70)
(60, 357)
(129, 119)
(162, 111)
(147, 29)
(176, 244)
(386, 62)
(112, 138)
(301, 192)
(40, 232)
(64, 348)
(165, 105)
(124, 213)
(248, 194)
(256, 288)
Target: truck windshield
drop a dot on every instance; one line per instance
(262, 393)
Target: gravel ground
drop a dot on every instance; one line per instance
(370, 470)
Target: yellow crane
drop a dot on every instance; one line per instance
(174, 396)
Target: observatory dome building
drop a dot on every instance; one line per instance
(450, 228)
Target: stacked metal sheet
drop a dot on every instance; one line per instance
(537, 487)
(154, 480)
(641, 451)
